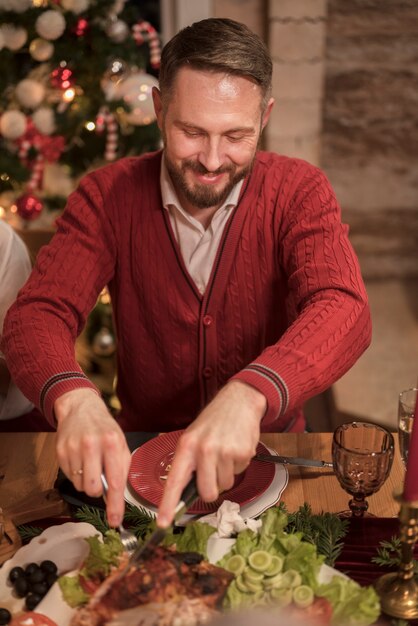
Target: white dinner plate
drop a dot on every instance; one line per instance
(252, 509)
(65, 546)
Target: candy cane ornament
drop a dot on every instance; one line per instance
(144, 31)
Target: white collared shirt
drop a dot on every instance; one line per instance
(198, 245)
(15, 267)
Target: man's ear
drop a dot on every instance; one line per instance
(158, 106)
(267, 112)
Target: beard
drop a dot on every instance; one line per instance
(204, 196)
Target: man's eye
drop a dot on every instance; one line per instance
(192, 133)
(234, 138)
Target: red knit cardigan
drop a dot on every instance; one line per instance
(285, 308)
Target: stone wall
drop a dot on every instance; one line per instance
(296, 37)
(370, 129)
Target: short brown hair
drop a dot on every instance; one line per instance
(217, 45)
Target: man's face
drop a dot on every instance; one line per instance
(211, 124)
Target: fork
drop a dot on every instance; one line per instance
(128, 539)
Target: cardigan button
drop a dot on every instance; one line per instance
(207, 320)
(207, 372)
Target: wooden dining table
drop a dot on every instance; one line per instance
(29, 467)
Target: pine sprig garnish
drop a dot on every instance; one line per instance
(325, 530)
(138, 519)
(389, 554)
(29, 532)
(95, 517)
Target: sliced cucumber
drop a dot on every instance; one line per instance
(274, 582)
(252, 576)
(291, 578)
(260, 560)
(235, 564)
(303, 596)
(282, 597)
(275, 567)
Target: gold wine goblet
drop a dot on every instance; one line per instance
(362, 455)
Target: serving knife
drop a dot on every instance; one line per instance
(292, 460)
(188, 497)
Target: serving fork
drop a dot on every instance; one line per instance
(128, 539)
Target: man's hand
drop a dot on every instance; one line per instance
(89, 442)
(218, 444)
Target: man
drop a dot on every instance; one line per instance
(236, 294)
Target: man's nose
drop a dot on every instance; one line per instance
(211, 155)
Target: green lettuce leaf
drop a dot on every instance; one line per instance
(73, 593)
(352, 604)
(193, 539)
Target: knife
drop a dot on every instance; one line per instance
(292, 460)
(188, 496)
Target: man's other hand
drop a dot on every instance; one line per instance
(219, 444)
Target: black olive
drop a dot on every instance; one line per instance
(40, 588)
(32, 600)
(30, 568)
(5, 616)
(15, 573)
(38, 576)
(21, 587)
(49, 567)
(50, 579)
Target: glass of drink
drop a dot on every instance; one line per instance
(406, 407)
(362, 454)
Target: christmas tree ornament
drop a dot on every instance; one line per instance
(14, 37)
(136, 92)
(118, 7)
(106, 121)
(104, 343)
(29, 206)
(117, 30)
(50, 25)
(40, 49)
(30, 93)
(13, 124)
(62, 77)
(116, 71)
(44, 120)
(17, 6)
(76, 6)
(81, 28)
(144, 32)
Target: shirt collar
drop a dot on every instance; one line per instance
(169, 194)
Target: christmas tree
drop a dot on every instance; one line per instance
(75, 93)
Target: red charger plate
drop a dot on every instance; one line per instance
(151, 462)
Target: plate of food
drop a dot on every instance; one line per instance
(151, 464)
(63, 546)
(171, 585)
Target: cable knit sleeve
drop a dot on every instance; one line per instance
(327, 303)
(41, 327)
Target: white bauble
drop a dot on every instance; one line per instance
(13, 124)
(136, 91)
(76, 6)
(118, 7)
(117, 30)
(30, 93)
(40, 49)
(44, 120)
(14, 37)
(50, 25)
(18, 6)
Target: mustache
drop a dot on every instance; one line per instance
(201, 169)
